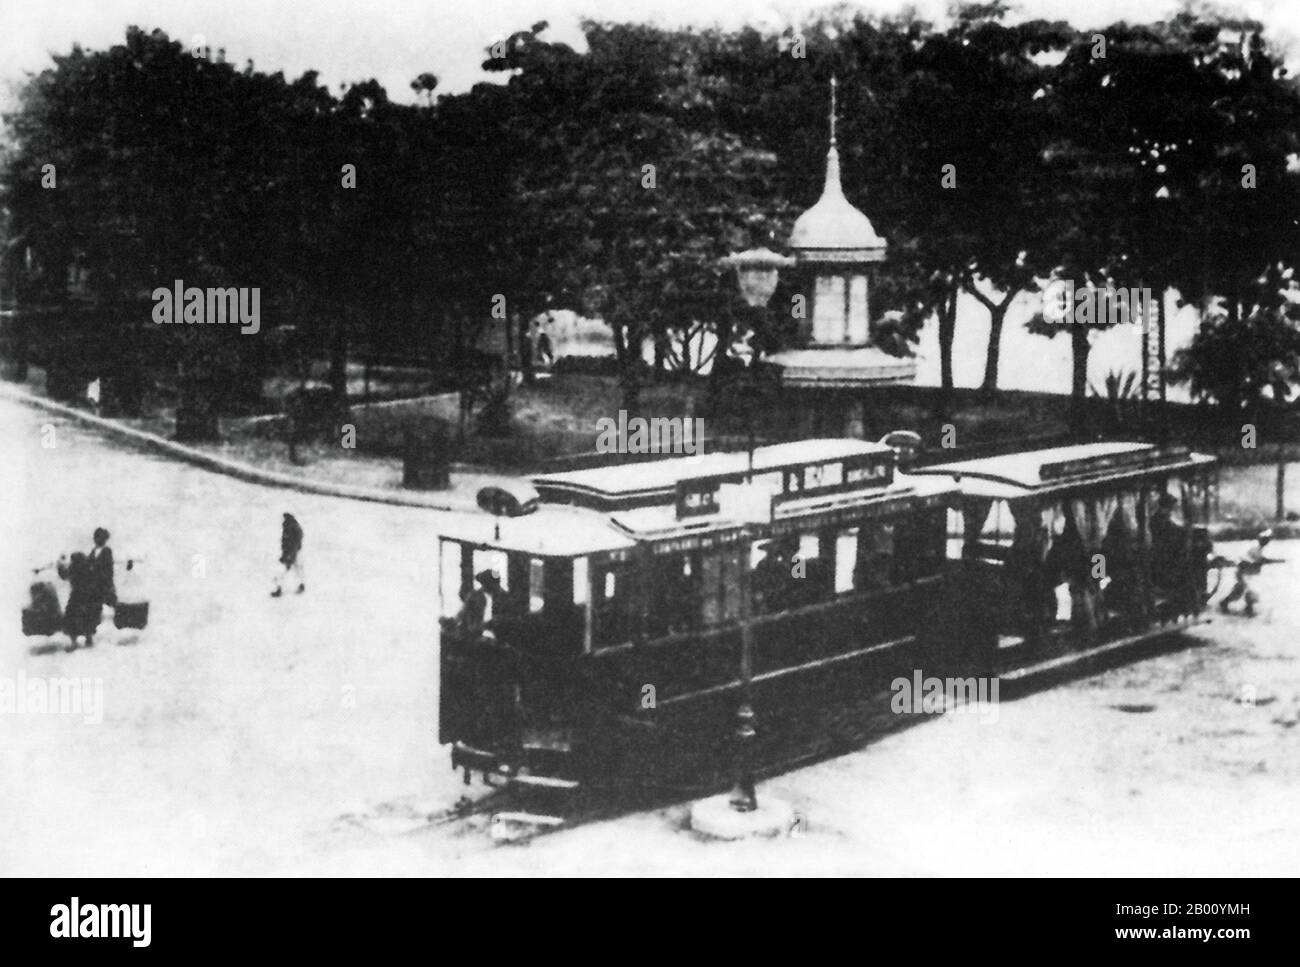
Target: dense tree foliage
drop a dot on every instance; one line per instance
(993, 155)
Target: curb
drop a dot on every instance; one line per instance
(1224, 531)
(230, 468)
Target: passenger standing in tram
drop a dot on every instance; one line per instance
(473, 616)
(1068, 562)
(1028, 563)
(1120, 595)
(773, 575)
(1168, 543)
(482, 606)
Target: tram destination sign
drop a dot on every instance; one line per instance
(698, 496)
(864, 471)
(1114, 463)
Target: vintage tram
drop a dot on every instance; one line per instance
(607, 630)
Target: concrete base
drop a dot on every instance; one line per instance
(717, 818)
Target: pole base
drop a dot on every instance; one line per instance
(718, 818)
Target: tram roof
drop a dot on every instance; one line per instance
(660, 522)
(550, 531)
(1059, 468)
(653, 476)
(563, 530)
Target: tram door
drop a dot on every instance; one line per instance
(456, 685)
(477, 679)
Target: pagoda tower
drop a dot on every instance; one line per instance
(835, 248)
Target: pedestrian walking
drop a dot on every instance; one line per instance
(81, 616)
(101, 569)
(290, 556)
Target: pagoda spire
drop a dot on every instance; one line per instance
(832, 187)
(835, 83)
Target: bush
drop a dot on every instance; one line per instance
(1243, 364)
(587, 366)
(313, 411)
(495, 416)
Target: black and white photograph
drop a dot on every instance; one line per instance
(651, 438)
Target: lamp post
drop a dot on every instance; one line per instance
(757, 272)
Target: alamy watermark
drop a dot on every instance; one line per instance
(53, 696)
(656, 435)
(1089, 305)
(115, 921)
(920, 695)
(210, 306)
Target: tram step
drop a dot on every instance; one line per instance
(550, 783)
(515, 826)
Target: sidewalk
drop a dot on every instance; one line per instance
(460, 497)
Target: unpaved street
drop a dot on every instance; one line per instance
(245, 735)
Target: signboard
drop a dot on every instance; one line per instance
(698, 496)
(1114, 462)
(861, 472)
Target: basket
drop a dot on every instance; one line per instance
(40, 622)
(134, 615)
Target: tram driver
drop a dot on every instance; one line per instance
(773, 585)
(480, 605)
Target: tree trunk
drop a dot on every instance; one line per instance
(626, 346)
(997, 316)
(947, 313)
(947, 332)
(1080, 348)
(339, 360)
(721, 358)
(661, 355)
(631, 389)
(525, 349)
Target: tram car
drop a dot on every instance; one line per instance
(607, 623)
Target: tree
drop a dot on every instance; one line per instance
(170, 167)
(627, 190)
(1251, 361)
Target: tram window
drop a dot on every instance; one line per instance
(956, 534)
(809, 547)
(711, 589)
(999, 527)
(581, 581)
(490, 560)
(874, 566)
(536, 581)
(846, 556)
(449, 578)
(615, 606)
(720, 585)
(675, 605)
